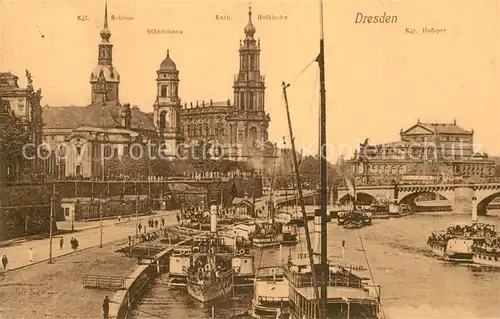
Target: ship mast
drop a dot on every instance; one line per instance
(301, 201)
(323, 168)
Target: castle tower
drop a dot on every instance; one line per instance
(104, 78)
(250, 125)
(168, 106)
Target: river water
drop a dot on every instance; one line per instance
(414, 283)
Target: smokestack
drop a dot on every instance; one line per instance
(317, 231)
(474, 210)
(213, 218)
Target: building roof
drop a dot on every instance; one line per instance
(440, 128)
(241, 201)
(168, 64)
(94, 115)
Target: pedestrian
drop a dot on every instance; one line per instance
(140, 227)
(76, 244)
(61, 243)
(178, 219)
(156, 223)
(5, 262)
(105, 307)
(163, 222)
(31, 254)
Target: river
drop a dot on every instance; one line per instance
(414, 283)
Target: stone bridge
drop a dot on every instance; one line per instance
(460, 196)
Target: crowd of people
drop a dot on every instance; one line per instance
(469, 231)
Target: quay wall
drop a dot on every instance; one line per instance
(25, 210)
(138, 282)
(25, 207)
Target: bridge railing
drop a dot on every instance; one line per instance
(103, 282)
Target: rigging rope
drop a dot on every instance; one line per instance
(370, 271)
(300, 73)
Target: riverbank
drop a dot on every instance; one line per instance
(56, 290)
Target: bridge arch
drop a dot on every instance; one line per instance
(482, 203)
(362, 198)
(409, 198)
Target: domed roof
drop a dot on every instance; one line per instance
(250, 29)
(168, 64)
(105, 34)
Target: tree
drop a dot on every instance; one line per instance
(310, 172)
(13, 137)
(128, 166)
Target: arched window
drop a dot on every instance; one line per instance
(250, 101)
(163, 91)
(253, 136)
(163, 121)
(242, 100)
(207, 129)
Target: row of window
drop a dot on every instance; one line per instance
(196, 130)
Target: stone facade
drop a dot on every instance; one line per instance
(436, 151)
(85, 136)
(239, 128)
(82, 139)
(24, 104)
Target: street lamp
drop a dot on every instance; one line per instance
(52, 199)
(137, 217)
(100, 219)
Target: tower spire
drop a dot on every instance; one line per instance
(106, 14)
(168, 52)
(249, 29)
(105, 33)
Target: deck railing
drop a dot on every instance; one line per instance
(334, 280)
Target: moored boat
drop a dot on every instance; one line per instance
(357, 219)
(399, 210)
(270, 298)
(341, 216)
(348, 294)
(210, 275)
(289, 235)
(267, 235)
(379, 211)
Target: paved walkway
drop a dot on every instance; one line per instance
(18, 253)
(56, 291)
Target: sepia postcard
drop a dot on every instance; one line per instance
(307, 159)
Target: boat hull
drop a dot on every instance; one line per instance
(267, 241)
(353, 225)
(207, 291)
(486, 259)
(380, 216)
(455, 250)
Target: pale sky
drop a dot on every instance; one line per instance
(379, 79)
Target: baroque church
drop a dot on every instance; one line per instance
(86, 136)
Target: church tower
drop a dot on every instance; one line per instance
(167, 106)
(104, 79)
(250, 120)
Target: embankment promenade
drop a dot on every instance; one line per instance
(56, 290)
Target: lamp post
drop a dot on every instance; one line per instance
(52, 199)
(137, 217)
(100, 219)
